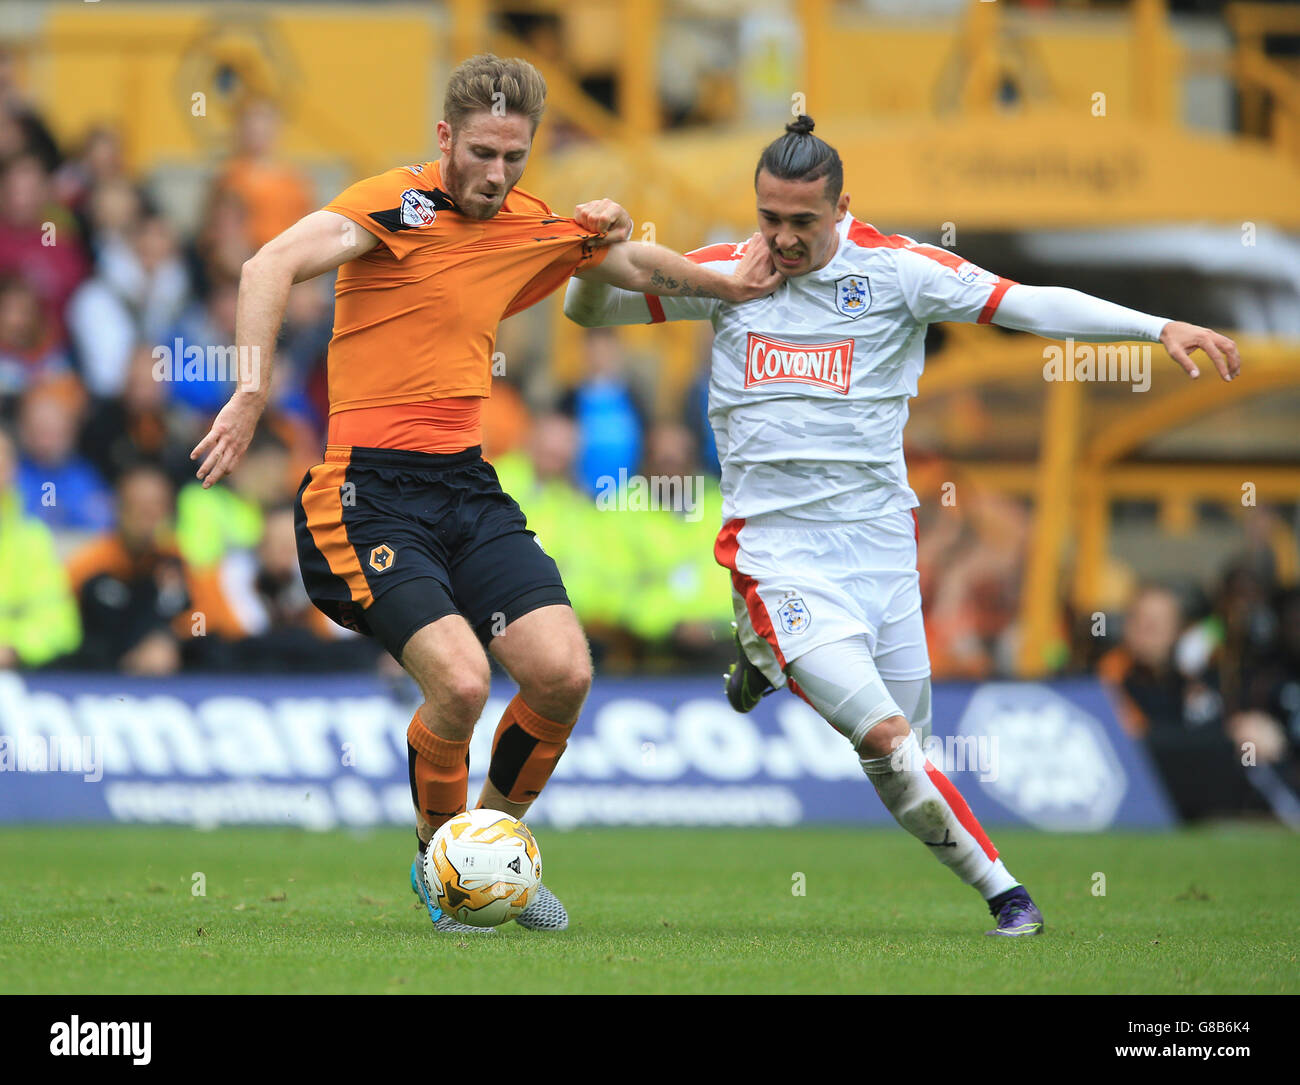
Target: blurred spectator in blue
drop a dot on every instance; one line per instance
(38, 613)
(208, 326)
(39, 240)
(136, 426)
(302, 350)
(608, 414)
(30, 351)
(137, 294)
(697, 421)
(56, 485)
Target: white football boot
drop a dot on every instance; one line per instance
(544, 913)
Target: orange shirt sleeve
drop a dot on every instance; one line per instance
(391, 205)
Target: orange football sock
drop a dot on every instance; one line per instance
(439, 771)
(525, 751)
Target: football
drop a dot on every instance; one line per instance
(483, 867)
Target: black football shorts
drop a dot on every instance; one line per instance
(390, 541)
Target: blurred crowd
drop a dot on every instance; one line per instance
(1211, 683)
(1205, 674)
(113, 557)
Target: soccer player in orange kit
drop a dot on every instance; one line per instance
(404, 532)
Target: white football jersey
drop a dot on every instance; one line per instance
(809, 386)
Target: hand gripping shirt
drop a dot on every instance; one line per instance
(415, 318)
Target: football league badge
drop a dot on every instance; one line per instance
(853, 295)
(417, 209)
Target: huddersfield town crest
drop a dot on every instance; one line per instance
(853, 295)
(794, 616)
(417, 209)
(973, 273)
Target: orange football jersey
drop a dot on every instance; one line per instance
(415, 319)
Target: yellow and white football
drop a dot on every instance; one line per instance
(483, 867)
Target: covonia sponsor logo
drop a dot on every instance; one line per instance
(827, 365)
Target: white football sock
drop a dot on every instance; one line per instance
(924, 802)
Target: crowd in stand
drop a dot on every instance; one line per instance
(1213, 687)
(1206, 674)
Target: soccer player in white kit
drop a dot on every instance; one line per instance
(807, 401)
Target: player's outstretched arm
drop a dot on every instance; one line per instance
(599, 305)
(1179, 340)
(315, 244)
(652, 269)
(1057, 313)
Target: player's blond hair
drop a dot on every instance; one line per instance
(494, 85)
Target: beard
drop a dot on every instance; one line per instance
(468, 200)
(476, 209)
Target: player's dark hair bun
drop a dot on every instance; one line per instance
(801, 156)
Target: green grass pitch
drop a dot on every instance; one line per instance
(112, 910)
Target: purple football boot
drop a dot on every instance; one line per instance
(1016, 914)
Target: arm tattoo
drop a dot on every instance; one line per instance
(679, 288)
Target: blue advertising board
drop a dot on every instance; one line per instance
(330, 751)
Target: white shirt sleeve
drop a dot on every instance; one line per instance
(681, 308)
(1056, 312)
(940, 285)
(597, 305)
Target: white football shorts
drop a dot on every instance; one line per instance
(799, 584)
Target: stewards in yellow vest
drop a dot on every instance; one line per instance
(584, 542)
(38, 613)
